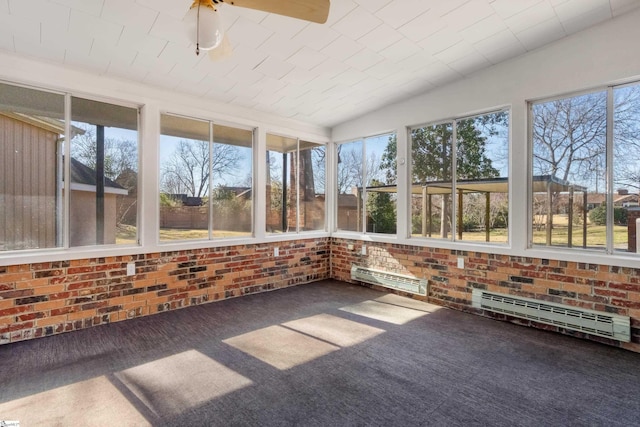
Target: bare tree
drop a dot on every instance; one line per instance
(120, 155)
(569, 137)
(188, 169)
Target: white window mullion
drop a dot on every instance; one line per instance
(454, 174)
(609, 163)
(210, 198)
(67, 171)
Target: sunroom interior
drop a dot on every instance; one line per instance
(476, 146)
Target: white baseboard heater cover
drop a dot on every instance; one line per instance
(569, 317)
(396, 281)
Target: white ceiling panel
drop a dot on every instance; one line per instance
(31, 47)
(573, 8)
(380, 38)
(169, 28)
(368, 54)
(399, 12)
(541, 34)
(620, 7)
(129, 72)
(307, 58)
(483, 29)
(364, 59)
(40, 10)
(133, 38)
(280, 47)
(586, 20)
(174, 8)
(20, 26)
(95, 63)
(93, 7)
(423, 26)
(274, 68)
(467, 14)
(245, 31)
(536, 14)
(82, 24)
(315, 36)
(342, 48)
(283, 25)
(508, 8)
(357, 23)
(155, 64)
(400, 50)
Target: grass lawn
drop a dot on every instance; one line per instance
(126, 234)
(596, 235)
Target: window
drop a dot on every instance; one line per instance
(477, 175)
(205, 180)
(295, 185)
(366, 185)
(104, 173)
(31, 179)
(99, 202)
(585, 179)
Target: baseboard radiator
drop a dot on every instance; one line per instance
(569, 317)
(396, 281)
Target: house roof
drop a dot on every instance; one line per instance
(83, 178)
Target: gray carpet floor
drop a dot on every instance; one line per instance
(324, 354)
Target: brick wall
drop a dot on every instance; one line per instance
(53, 297)
(597, 287)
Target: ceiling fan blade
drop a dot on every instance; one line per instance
(223, 51)
(308, 10)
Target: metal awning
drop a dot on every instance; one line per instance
(541, 184)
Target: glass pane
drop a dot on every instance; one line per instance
(431, 176)
(482, 177)
(281, 193)
(569, 152)
(104, 173)
(311, 187)
(232, 182)
(626, 168)
(184, 178)
(350, 182)
(382, 193)
(31, 172)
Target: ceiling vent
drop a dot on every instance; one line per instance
(395, 281)
(568, 317)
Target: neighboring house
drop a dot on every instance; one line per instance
(30, 202)
(83, 206)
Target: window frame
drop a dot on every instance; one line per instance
(210, 214)
(609, 247)
(297, 150)
(453, 239)
(63, 237)
(364, 193)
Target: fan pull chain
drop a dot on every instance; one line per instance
(198, 31)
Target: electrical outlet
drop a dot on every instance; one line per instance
(363, 250)
(460, 262)
(276, 251)
(131, 269)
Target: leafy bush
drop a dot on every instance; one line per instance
(598, 216)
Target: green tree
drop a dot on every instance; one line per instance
(432, 147)
(382, 212)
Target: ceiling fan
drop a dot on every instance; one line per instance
(205, 28)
